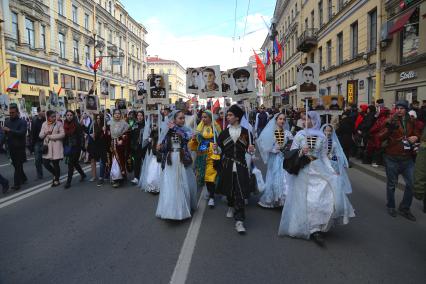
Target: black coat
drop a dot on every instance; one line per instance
(231, 152)
(344, 132)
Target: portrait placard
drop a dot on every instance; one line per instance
(193, 77)
(242, 83)
(308, 81)
(226, 86)
(4, 104)
(120, 104)
(91, 104)
(52, 101)
(210, 83)
(104, 86)
(158, 89)
(151, 108)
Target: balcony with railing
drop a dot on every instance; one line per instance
(308, 40)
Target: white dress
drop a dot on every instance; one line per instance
(150, 174)
(314, 201)
(277, 179)
(178, 189)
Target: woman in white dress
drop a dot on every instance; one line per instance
(271, 143)
(314, 201)
(337, 157)
(151, 169)
(178, 186)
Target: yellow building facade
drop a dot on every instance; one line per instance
(362, 52)
(46, 45)
(176, 75)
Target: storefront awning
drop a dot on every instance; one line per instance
(400, 23)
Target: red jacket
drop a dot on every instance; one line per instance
(374, 142)
(396, 135)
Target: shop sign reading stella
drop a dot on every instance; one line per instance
(407, 75)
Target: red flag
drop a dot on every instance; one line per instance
(215, 106)
(97, 63)
(261, 72)
(59, 92)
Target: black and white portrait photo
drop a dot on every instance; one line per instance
(308, 80)
(104, 88)
(91, 103)
(120, 104)
(242, 82)
(4, 103)
(158, 89)
(211, 81)
(141, 88)
(225, 81)
(192, 80)
(53, 100)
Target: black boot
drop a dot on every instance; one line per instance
(318, 238)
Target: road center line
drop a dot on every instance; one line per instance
(181, 270)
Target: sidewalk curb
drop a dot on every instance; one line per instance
(374, 174)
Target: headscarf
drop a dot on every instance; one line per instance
(341, 157)
(118, 128)
(266, 140)
(217, 127)
(316, 125)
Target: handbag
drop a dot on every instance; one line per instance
(45, 148)
(115, 170)
(293, 163)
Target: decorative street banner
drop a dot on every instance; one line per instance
(308, 81)
(104, 89)
(158, 89)
(210, 83)
(226, 87)
(193, 77)
(242, 83)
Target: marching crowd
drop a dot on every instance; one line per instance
(175, 155)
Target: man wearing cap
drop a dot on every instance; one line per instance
(209, 78)
(400, 137)
(334, 105)
(241, 77)
(233, 144)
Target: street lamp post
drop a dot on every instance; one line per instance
(273, 34)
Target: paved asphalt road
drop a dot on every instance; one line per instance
(92, 235)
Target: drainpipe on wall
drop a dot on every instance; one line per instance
(379, 53)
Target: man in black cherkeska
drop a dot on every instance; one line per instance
(233, 144)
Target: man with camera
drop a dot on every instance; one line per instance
(399, 138)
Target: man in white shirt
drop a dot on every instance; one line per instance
(234, 142)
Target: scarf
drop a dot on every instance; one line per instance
(70, 127)
(118, 128)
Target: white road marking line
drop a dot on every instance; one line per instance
(33, 190)
(9, 164)
(181, 270)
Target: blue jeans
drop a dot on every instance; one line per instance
(394, 168)
(38, 158)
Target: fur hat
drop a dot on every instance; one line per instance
(237, 111)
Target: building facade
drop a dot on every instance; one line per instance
(47, 43)
(366, 49)
(404, 51)
(176, 74)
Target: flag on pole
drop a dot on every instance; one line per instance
(216, 106)
(97, 63)
(89, 64)
(267, 58)
(59, 92)
(261, 72)
(13, 87)
(278, 51)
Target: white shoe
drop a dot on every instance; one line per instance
(230, 212)
(135, 181)
(374, 165)
(239, 226)
(211, 203)
(92, 179)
